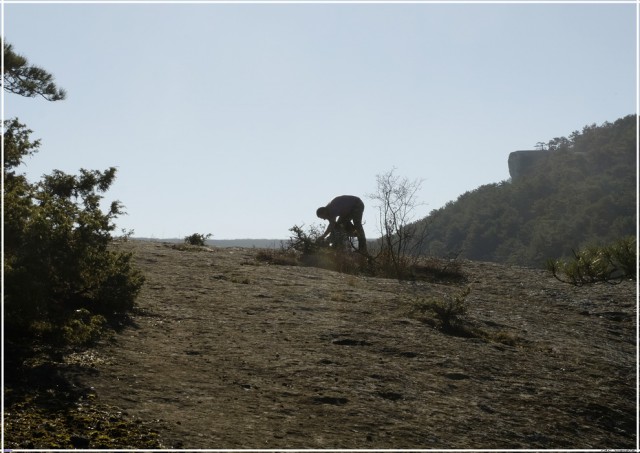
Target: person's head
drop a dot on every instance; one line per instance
(323, 213)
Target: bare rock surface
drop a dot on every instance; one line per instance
(228, 352)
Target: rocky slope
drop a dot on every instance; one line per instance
(230, 352)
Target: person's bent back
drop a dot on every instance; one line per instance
(346, 208)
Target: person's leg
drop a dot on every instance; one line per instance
(357, 222)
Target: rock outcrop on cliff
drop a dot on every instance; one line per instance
(525, 161)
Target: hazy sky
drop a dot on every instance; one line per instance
(241, 120)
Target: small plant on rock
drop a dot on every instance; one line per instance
(304, 242)
(446, 314)
(329, 253)
(197, 239)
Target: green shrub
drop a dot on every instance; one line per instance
(57, 259)
(305, 242)
(197, 239)
(57, 249)
(82, 327)
(447, 314)
(625, 257)
(594, 264)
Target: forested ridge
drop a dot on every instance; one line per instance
(583, 194)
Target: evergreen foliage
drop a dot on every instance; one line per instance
(28, 80)
(447, 313)
(583, 194)
(592, 264)
(197, 239)
(60, 275)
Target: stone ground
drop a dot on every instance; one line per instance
(227, 351)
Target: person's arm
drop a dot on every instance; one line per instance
(330, 227)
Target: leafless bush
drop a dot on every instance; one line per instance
(401, 239)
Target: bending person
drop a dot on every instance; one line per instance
(347, 209)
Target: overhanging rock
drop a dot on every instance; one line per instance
(524, 162)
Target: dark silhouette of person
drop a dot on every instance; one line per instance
(347, 209)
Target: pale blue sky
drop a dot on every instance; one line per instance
(241, 120)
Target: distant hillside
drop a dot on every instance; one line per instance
(582, 192)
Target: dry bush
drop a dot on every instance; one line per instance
(311, 251)
(278, 257)
(437, 270)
